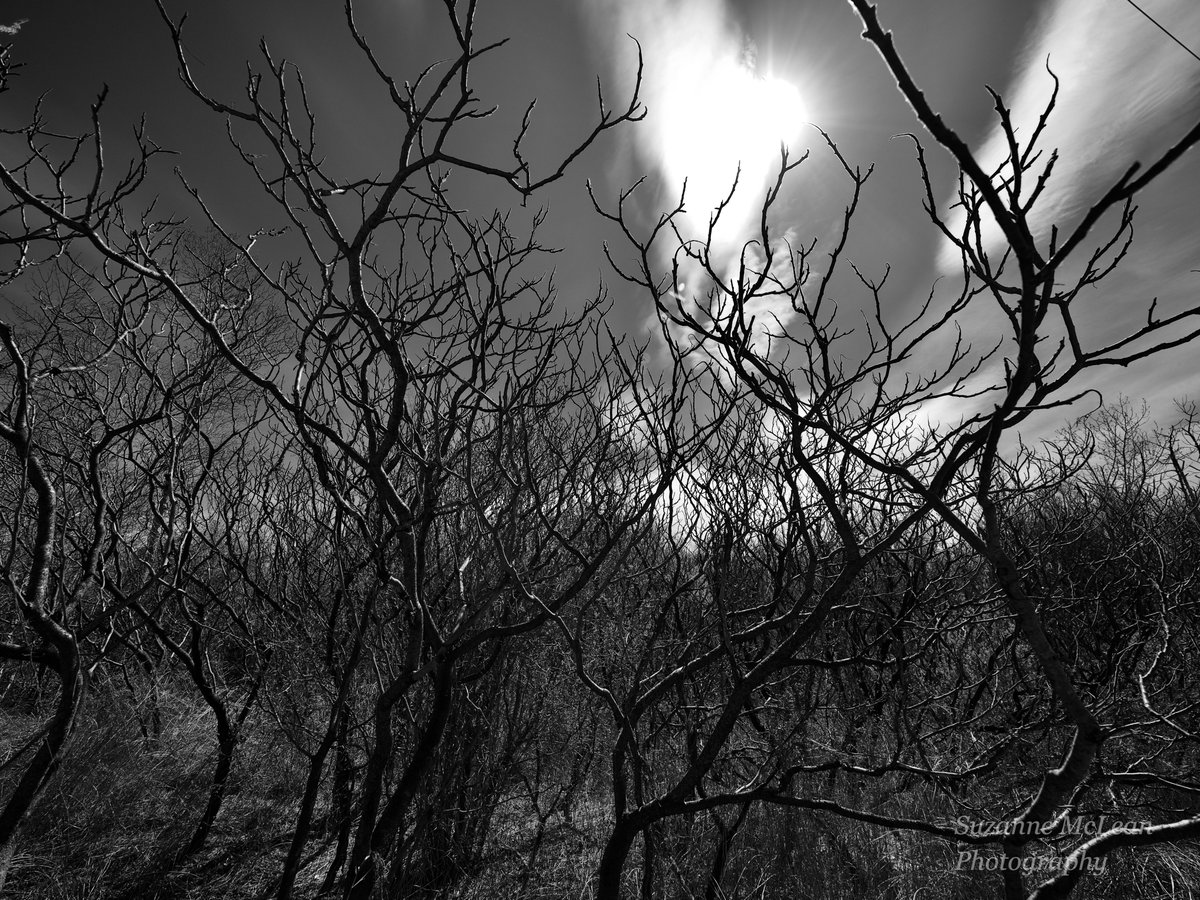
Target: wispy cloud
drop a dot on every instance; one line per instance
(715, 113)
(712, 106)
(1126, 92)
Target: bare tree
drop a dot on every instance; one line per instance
(426, 365)
(834, 393)
(363, 444)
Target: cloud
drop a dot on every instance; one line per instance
(712, 106)
(715, 113)
(1126, 93)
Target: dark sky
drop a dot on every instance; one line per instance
(558, 47)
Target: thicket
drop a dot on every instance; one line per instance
(371, 571)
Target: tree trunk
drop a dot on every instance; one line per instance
(63, 657)
(725, 836)
(226, 745)
(48, 756)
(312, 787)
(376, 840)
(612, 861)
(341, 800)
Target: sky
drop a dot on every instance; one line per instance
(724, 80)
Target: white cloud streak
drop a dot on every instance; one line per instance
(1126, 92)
(714, 114)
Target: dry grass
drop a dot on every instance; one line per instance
(124, 802)
(111, 823)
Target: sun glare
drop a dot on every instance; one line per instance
(721, 116)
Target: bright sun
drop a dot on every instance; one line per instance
(722, 114)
